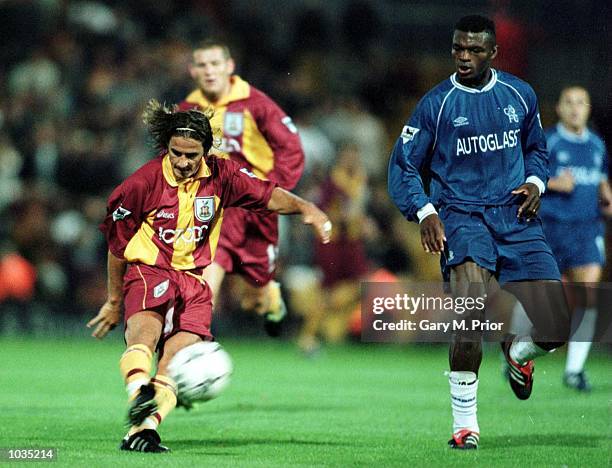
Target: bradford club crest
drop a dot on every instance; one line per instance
(233, 123)
(204, 208)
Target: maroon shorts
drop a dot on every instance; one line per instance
(248, 245)
(184, 302)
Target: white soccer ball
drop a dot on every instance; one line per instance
(201, 371)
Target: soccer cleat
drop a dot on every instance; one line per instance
(146, 440)
(464, 440)
(142, 406)
(577, 380)
(520, 377)
(274, 317)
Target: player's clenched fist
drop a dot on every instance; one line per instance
(432, 234)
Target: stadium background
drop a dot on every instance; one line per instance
(74, 78)
(76, 74)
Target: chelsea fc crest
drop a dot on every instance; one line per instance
(204, 208)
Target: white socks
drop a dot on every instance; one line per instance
(578, 350)
(463, 389)
(523, 349)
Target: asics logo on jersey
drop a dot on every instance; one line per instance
(408, 133)
(164, 214)
(460, 121)
(511, 113)
(490, 142)
(189, 235)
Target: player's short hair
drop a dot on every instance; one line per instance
(212, 43)
(164, 122)
(476, 24)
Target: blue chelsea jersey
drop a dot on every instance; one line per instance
(586, 158)
(474, 145)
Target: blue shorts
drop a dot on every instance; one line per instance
(575, 243)
(494, 238)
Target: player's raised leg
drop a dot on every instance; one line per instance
(546, 306)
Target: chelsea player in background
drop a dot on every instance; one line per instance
(476, 143)
(571, 214)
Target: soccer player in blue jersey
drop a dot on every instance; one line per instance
(470, 166)
(572, 216)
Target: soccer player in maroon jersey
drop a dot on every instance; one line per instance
(260, 136)
(162, 230)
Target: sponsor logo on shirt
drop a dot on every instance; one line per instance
(164, 214)
(179, 236)
(121, 213)
(204, 208)
(582, 175)
(230, 145)
(511, 113)
(161, 289)
(233, 123)
(408, 133)
(491, 142)
(460, 121)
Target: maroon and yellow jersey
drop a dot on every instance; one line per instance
(255, 132)
(155, 220)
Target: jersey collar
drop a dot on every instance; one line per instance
(570, 136)
(203, 171)
(467, 89)
(239, 90)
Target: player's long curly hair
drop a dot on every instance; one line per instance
(165, 122)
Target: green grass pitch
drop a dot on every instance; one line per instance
(370, 405)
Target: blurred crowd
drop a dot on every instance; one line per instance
(76, 75)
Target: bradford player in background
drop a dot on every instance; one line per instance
(476, 144)
(259, 135)
(577, 196)
(162, 229)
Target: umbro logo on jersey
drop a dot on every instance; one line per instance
(563, 157)
(460, 121)
(511, 113)
(121, 213)
(408, 133)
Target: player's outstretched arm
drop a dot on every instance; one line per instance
(285, 202)
(110, 312)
